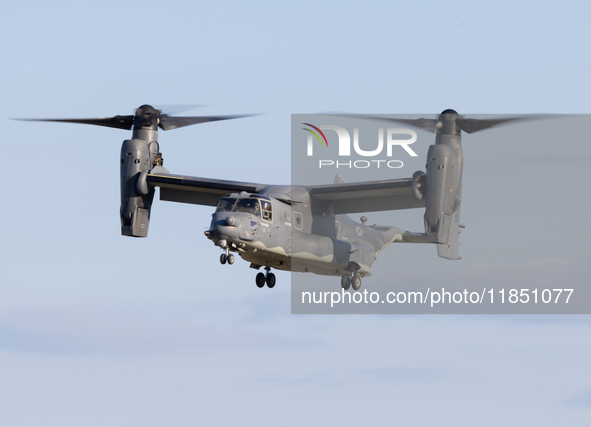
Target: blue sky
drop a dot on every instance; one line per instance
(100, 329)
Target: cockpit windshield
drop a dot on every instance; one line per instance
(248, 205)
(251, 205)
(226, 204)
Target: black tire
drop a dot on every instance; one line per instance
(356, 282)
(271, 280)
(260, 280)
(223, 258)
(345, 282)
(230, 259)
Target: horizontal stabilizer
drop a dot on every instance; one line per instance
(408, 237)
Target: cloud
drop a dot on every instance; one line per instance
(267, 306)
(76, 330)
(582, 399)
(339, 378)
(401, 374)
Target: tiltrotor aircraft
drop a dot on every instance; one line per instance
(298, 228)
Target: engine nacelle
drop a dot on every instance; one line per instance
(444, 189)
(137, 157)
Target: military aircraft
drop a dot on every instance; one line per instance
(291, 227)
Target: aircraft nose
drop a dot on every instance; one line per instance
(230, 226)
(232, 233)
(224, 231)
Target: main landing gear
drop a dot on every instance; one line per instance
(347, 281)
(268, 278)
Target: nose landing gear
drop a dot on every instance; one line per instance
(268, 278)
(227, 257)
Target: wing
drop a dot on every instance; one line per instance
(371, 196)
(195, 190)
(346, 198)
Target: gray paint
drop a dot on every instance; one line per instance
(309, 230)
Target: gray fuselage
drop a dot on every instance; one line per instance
(289, 232)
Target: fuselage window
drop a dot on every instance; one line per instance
(267, 210)
(299, 222)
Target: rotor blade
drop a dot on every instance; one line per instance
(334, 113)
(425, 124)
(467, 125)
(430, 125)
(474, 125)
(169, 123)
(119, 122)
(170, 109)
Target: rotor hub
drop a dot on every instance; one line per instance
(447, 122)
(146, 117)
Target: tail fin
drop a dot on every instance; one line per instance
(339, 180)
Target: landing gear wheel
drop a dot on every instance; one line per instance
(230, 259)
(356, 282)
(271, 280)
(260, 279)
(345, 282)
(223, 258)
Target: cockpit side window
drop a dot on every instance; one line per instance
(226, 204)
(248, 205)
(267, 210)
